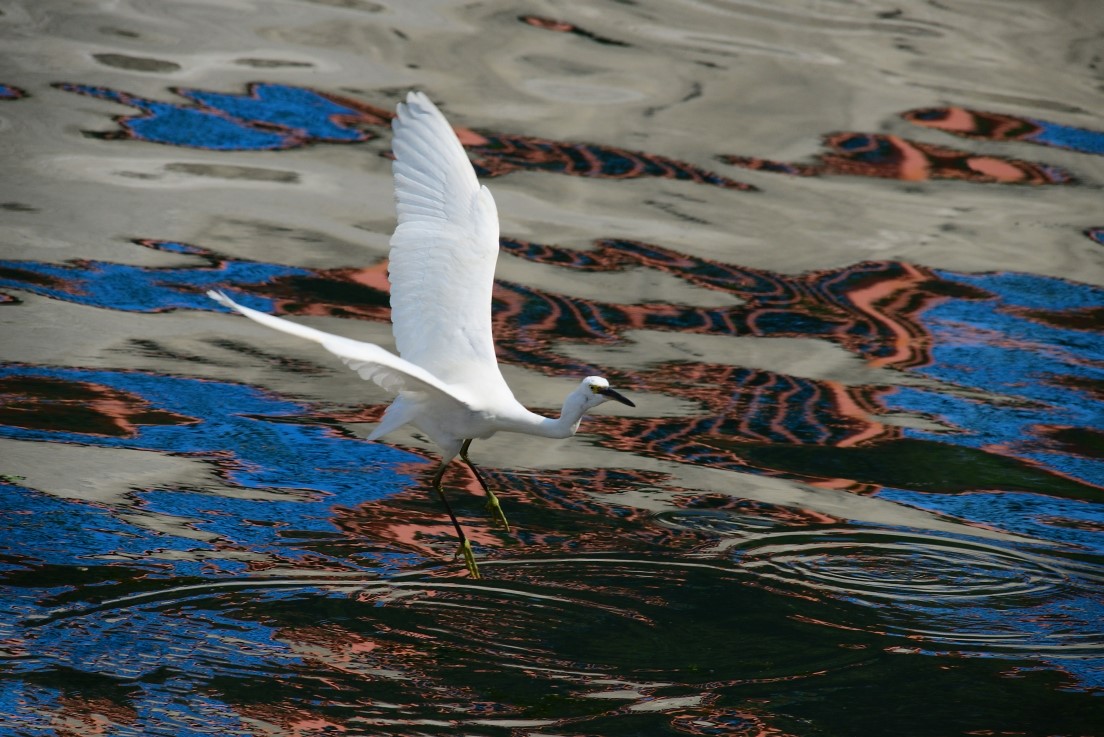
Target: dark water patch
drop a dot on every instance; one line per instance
(47, 403)
(137, 63)
(273, 63)
(575, 645)
(559, 26)
(549, 638)
(348, 293)
(931, 466)
(1077, 441)
(24, 572)
(239, 173)
(17, 207)
(1089, 319)
(870, 567)
(1090, 387)
(272, 358)
(15, 276)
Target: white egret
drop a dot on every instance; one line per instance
(443, 253)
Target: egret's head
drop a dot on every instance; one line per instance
(596, 390)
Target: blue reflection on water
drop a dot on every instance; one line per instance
(1069, 522)
(1022, 364)
(237, 429)
(141, 288)
(1067, 136)
(1031, 290)
(294, 108)
(273, 117)
(306, 471)
(36, 528)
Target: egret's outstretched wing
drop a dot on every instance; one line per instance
(370, 361)
(443, 253)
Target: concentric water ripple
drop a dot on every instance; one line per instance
(938, 592)
(872, 566)
(383, 654)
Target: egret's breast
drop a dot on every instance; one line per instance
(460, 422)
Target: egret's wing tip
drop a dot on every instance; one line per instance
(221, 298)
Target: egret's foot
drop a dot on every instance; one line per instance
(469, 557)
(496, 509)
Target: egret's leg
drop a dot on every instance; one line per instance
(465, 545)
(492, 501)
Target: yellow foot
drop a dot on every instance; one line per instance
(469, 558)
(496, 509)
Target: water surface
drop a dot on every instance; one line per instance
(846, 257)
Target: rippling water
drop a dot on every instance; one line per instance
(845, 256)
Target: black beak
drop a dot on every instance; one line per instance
(607, 392)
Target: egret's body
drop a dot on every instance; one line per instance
(443, 253)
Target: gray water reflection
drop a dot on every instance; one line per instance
(846, 255)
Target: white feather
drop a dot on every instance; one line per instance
(373, 363)
(443, 254)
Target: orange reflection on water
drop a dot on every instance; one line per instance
(892, 157)
(893, 303)
(84, 716)
(41, 403)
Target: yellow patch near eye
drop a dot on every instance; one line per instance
(595, 389)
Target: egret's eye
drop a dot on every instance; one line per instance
(595, 389)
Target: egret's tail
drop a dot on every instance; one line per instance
(401, 411)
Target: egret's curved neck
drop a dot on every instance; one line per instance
(563, 426)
